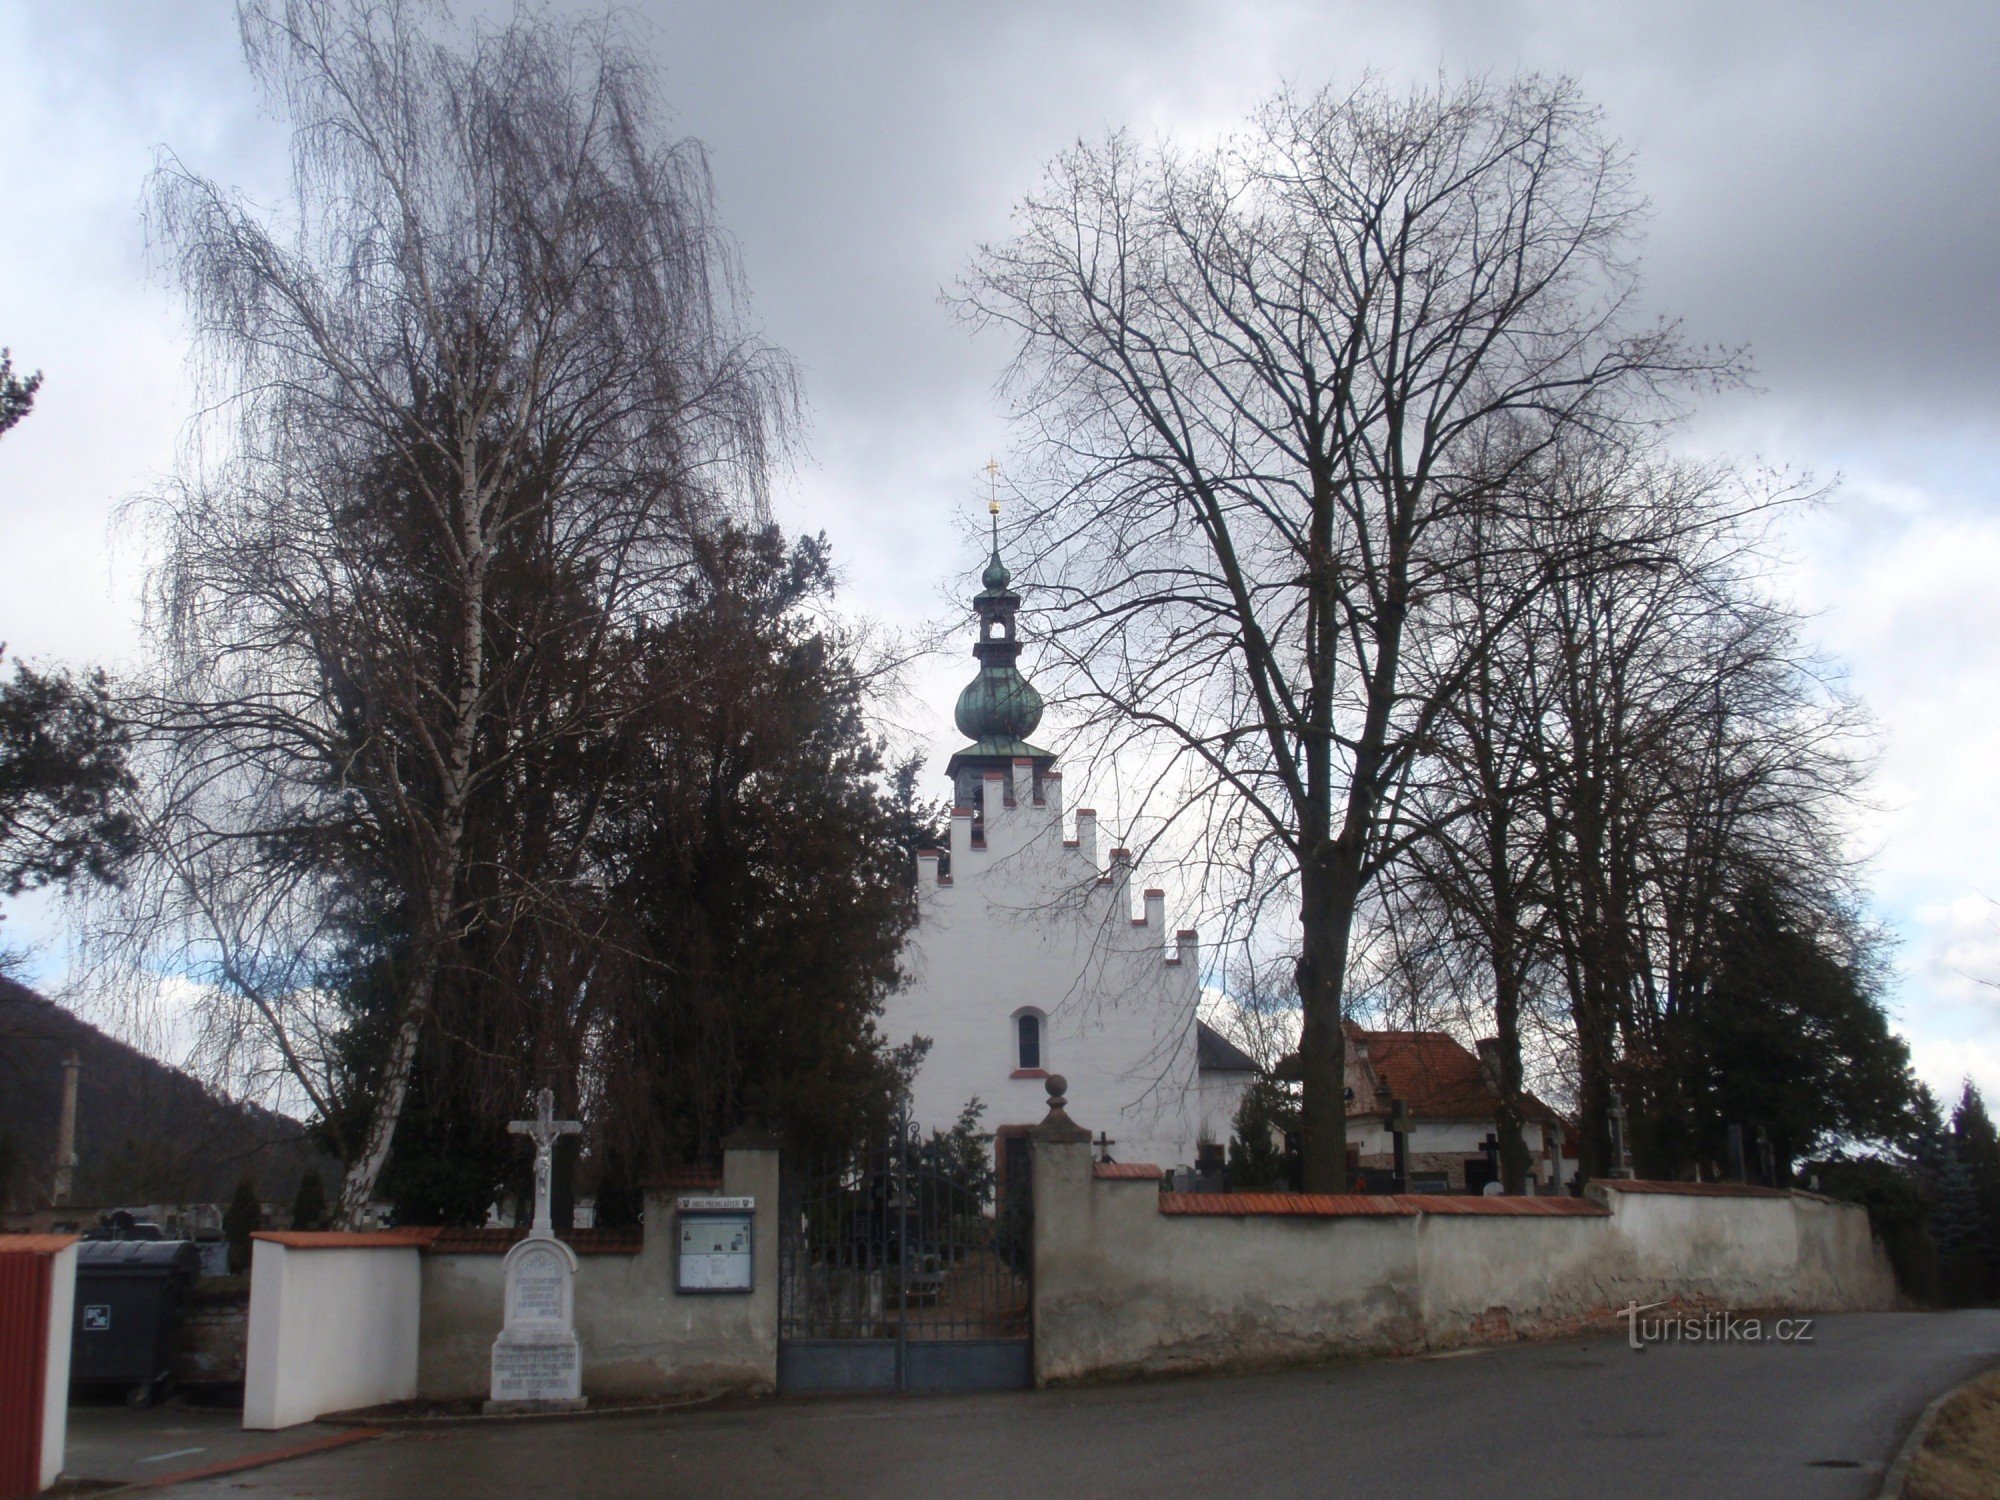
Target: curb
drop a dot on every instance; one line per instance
(379, 1423)
(250, 1461)
(1899, 1471)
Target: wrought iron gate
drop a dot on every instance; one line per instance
(904, 1266)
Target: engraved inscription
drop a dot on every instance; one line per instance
(534, 1372)
(537, 1287)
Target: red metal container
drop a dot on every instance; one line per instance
(27, 1270)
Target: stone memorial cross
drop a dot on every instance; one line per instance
(544, 1130)
(537, 1359)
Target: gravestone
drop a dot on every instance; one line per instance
(537, 1360)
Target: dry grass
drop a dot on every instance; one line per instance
(1960, 1459)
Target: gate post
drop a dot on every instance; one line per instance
(750, 1170)
(1060, 1172)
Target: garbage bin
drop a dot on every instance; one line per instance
(128, 1294)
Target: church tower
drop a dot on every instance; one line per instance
(1028, 958)
(999, 708)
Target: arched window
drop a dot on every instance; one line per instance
(1028, 1041)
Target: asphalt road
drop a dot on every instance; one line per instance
(1570, 1417)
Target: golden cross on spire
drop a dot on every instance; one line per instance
(993, 486)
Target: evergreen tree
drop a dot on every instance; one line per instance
(1973, 1191)
(17, 396)
(1791, 1036)
(309, 1203)
(1262, 1153)
(243, 1218)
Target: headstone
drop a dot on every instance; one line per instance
(537, 1360)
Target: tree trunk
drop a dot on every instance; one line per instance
(1326, 913)
(1515, 1161)
(358, 1190)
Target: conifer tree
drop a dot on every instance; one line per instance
(309, 1203)
(243, 1218)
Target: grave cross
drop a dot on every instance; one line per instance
(1400, 1126)
(543, 1130)
(1618, 1167)
(1103, 1143)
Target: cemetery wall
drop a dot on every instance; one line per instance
(333, 1324)
(640, 1337)
(1128, 1281)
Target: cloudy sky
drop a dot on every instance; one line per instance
(1823, 185)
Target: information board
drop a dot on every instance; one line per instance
(716, 1244)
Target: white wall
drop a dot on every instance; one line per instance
(330, 1329)
(55, 1387)
(1026, 922)
(1123, 1286)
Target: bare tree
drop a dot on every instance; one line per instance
(1274, 384)
(475, 390)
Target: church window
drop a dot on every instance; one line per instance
(1027, 1040)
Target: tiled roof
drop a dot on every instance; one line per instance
(35, 1244)
(343, 1239)
(500, 1241)
(1126, 1171)
(1375, 1206)
(1435, 1076)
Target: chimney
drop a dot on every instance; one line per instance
(65, 1174)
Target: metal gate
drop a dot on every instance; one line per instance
(904, 1266)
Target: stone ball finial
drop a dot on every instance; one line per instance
(1057, 1085)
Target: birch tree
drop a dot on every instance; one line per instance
(1273, 385)
(472, 389)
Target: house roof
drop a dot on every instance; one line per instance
(1434, 1075)
(1215, 1053)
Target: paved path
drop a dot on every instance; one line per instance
(1574, 1417)
(108, 1442)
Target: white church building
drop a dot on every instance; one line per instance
(1029, 958)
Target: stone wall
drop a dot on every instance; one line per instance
(640, 1337)
(1128, 1281)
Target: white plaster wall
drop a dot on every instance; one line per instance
(1122, 1288)
(330, 1330)
(55, 1377)
(1026, 922)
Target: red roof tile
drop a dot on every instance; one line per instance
(500, 1241)
(1434, 1075)
(344, 1239)
(35, 1244)
(1127, 1171)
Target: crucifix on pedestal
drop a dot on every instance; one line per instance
(1400, 1126)
(543, 1130)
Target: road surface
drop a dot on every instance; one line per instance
(1571, 1417)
